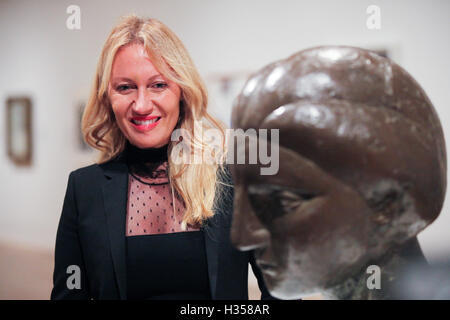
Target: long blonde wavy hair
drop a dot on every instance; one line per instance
(196, 184)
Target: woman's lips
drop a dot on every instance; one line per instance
(145, 127)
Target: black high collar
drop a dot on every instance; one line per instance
(146, 155)
(143, 162)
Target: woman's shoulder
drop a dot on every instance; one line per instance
(87, 171)
(99, 169)
(94, 173)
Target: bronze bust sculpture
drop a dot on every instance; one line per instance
(362, 171)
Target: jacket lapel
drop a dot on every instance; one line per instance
(115, 192)
(212, 256)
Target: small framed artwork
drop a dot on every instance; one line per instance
(19, 130)
(83, 146)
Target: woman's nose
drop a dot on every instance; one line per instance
(247, 231)
(143, 103)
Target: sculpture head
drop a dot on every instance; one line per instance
(362, 167)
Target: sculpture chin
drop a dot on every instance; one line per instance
(289, 289)
(301, 280)
(283, 286)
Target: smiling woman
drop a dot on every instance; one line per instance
(146, 104)
(145, 73)
(137, 224)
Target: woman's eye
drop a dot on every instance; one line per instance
(160, 85)
(123, 87)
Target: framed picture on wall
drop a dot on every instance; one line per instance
(19, 130)
(83, 146)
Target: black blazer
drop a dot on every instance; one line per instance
(91, 235)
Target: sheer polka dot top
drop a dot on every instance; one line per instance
(150, 208)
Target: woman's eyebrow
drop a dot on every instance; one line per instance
(122, 79)
(116, 79)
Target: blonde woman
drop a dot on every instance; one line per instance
(138, 224)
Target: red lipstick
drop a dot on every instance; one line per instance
(145, 123)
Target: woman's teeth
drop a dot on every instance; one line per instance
(146, 121)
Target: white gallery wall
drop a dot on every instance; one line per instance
(40, 57)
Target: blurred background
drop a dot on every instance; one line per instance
(48, 60)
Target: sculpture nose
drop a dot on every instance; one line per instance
(247, 231)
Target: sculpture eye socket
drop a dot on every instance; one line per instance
(272, 201)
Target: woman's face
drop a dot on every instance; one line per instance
(146, 104)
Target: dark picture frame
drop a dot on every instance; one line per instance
(82, 145)
(19, 130)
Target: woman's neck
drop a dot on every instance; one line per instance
(147, 154)
(144, 162)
